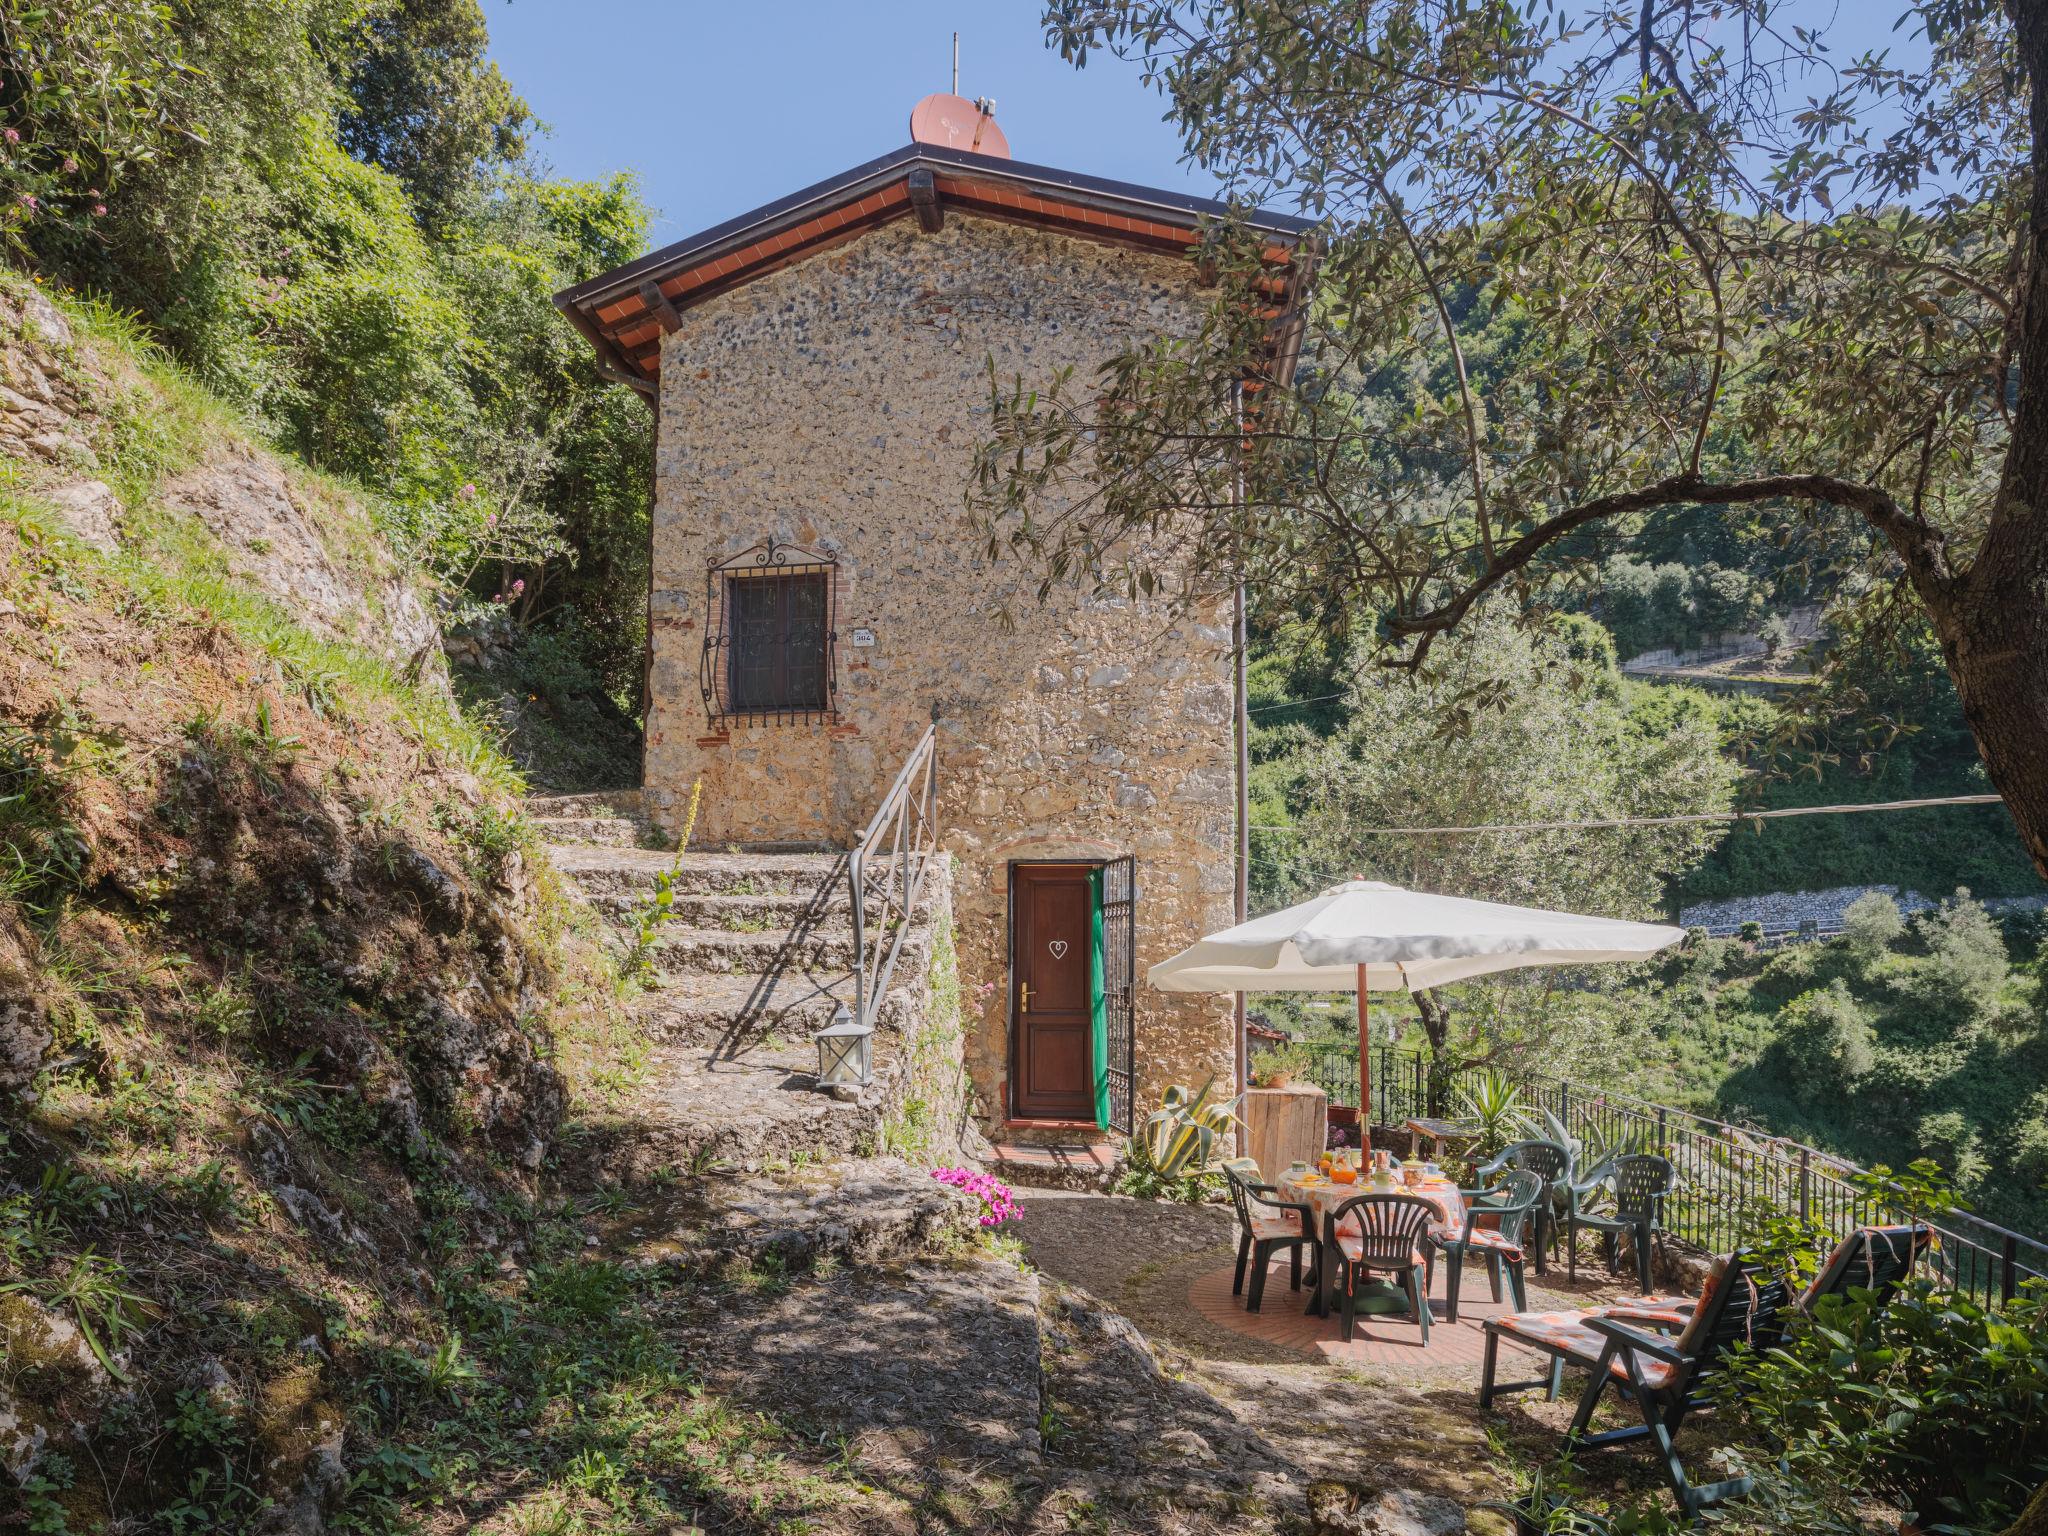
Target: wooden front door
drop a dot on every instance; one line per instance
(1052, 1060)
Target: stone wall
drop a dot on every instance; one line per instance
(1784, 911)
(836, 405)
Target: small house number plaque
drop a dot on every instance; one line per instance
(863, 637)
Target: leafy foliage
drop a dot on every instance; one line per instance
(1578, 266)
(1516, 726)
(1175, 1145)
(85, 87)
(355, 249)
(1936, 1401)
(1931, 1046)
(1492, 1101)
(424, 103)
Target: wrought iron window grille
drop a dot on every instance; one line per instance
(771, 638)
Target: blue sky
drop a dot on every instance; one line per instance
(722, 108)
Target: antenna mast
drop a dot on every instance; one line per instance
(956, 63)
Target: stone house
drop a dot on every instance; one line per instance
(819, 370)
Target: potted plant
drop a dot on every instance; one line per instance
(1278, 1068)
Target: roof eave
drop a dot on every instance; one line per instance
(865, 197)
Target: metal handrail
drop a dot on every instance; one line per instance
(911, 822)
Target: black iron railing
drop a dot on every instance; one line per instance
(1727, 1175)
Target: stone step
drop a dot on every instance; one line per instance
(874, 1211)
(708, 1009)
(596, 831)
(609, 802)
(683, 951)
(748, 1107)
(631, 871)
(1080, 1162)
(733, 912)
(736, 1010)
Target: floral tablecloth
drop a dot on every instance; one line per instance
(1323, 1196)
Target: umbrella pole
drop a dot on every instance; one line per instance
(1364, 1069)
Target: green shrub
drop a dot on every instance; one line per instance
(1967, 961)
(1872, 924)
(1826, 1040)
(1936, 1402)
(85, 103)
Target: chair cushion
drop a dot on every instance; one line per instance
(1695, 1326)
(1566, 1333)
(1282, 1226)
(1489, 1241)
(1353, 1248)
(1672, 1312)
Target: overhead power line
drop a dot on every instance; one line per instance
(1321, 698)
(1665, 821)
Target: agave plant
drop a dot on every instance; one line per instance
(1492, 1102)
(1593, 1148)
(1180, 1136)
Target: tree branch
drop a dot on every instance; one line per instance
(1918, 543)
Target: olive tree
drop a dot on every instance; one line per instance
(1745, 273)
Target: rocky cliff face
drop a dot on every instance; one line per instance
(69, 413)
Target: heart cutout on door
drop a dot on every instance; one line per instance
(1058, 948)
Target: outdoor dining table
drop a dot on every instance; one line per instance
(1323, 1196)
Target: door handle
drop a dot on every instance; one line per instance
(1023, 996)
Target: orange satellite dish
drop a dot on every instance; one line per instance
(957, 123)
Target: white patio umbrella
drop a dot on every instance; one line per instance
(1368, 936)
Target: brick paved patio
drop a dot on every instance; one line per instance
(1392, 1344)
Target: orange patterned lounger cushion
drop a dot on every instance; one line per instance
(1566, 1333)
(1672, 1312)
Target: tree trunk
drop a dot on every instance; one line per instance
(1993, 621)
(1995, 641)
(2033, 1520)
(1436, 1024)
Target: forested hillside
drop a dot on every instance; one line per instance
(1866, 712)
(292, 1012)
(329, 213)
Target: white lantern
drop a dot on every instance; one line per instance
(845, 1053)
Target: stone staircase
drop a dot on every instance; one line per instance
(848, 1296)
(755, 956)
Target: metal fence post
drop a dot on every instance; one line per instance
(1805, 1184)
(1564, 1103)
(1663, 1135)
(2008, 1267)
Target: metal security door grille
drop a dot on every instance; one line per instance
(1119, 988)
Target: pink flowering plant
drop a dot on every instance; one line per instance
(998, 1204)
(92, 92)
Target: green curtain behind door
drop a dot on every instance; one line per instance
(1098, 1009)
